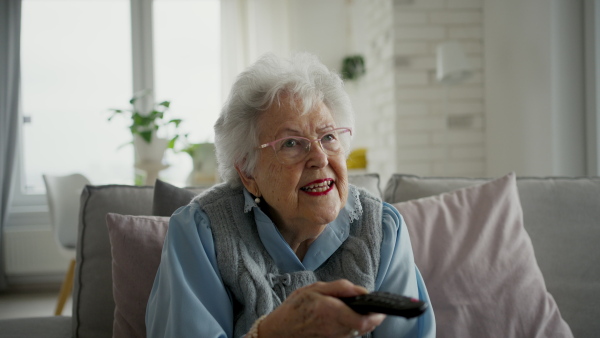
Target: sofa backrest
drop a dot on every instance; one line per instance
(562, 217)
(560, 214)
(93, 304)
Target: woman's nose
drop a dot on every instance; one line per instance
(316, 156)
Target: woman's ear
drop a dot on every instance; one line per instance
(249, 182)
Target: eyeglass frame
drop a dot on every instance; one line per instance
(310, 142)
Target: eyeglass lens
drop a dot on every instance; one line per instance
(294, 149)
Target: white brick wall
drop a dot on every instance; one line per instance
(416, 125)
(381, 80)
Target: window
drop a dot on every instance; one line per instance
(73, 67)
(76, 63)
(188, 71)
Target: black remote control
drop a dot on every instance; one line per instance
(387, 303)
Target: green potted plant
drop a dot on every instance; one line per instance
(153, 133)
(204, 162)
(146, 127)
(353, 67)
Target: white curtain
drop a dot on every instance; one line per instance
(10, 31)
(592, 78)
(250, 28)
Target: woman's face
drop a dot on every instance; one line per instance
(288, 192)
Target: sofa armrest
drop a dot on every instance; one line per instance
(48, 327)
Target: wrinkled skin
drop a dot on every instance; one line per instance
(314, 310)
(299, 216)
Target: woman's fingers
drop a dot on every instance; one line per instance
(368, 323)
(338, 288)
(345, 316)
(315, 311)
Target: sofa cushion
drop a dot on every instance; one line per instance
(136, 243)
(93, 305)
(369, 181)
(478, 264)
(561, 216)
(402, 187)
(168, 198)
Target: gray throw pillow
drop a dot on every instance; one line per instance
(93, 314)
(368, 181)
(168, 198)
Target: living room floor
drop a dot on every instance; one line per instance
(38, 303)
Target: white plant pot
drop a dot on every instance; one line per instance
(152, 152)
(204, 172)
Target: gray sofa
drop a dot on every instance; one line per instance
(561, 215)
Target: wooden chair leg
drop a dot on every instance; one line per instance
(65, 289)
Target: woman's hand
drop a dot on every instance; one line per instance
(315, 311)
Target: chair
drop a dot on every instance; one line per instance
(63, 193)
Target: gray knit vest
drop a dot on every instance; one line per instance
(249, 272)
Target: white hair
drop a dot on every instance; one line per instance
(302, 77)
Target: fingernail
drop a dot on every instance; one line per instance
(378, 316)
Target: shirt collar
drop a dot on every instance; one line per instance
(320, 250)
(248, 201)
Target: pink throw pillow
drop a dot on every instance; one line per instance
(478, 264)
(136, 243)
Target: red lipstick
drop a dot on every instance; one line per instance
(319, 187)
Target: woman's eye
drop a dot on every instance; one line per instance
(289, 143)
(328, 138)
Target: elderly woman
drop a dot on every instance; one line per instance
(268, 252)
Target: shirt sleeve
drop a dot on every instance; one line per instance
(399, 274)
(188, 298)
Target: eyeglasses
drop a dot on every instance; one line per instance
(293, 149)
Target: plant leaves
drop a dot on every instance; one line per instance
(176, 122)
(124, 144)
(146, 135)
(146, 124)
(171, 144)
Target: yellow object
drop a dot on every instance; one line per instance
(357, 159)
(65, 289)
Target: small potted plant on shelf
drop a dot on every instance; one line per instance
(353, 67)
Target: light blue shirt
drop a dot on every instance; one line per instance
(189, 299)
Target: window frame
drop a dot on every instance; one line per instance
(592, 85)
(31, 209)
